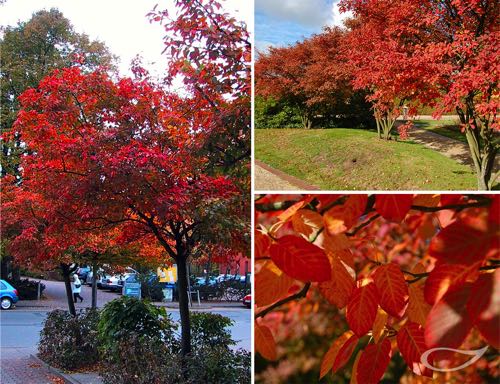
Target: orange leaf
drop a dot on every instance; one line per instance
(300, 259)
(393, 289)
(290, 211)
(339, 353)
(271, 284)
(262, 243)
(307, 222)
(418, 308)
(354, 372)
(379, 324)
(264, 342)
(393, 207)
(362, 309)
(373, 362)
(411, 344)
(338, 289)
(342, 217)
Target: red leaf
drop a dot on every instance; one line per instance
(300, 259)
(339, 353)
(342, 217)
(261, 244)
(392, 288)
(339, 288)
(373, 362)
(264, 342)
(448, 322)
(362, 309)
(483, 306)
(411, 344)
(464, 242)
(393, 207)
(447, 278)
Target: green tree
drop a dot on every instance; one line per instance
(30, 51)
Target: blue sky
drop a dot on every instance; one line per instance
(284, 22)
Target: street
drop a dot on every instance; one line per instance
(20, 329)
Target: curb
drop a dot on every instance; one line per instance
(301, 184)
(67, 379)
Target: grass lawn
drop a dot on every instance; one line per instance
(448, 128)
(355, 159)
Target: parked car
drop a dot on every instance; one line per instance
(8, 295)
(202, 281)
(82, 273)
(247, 301)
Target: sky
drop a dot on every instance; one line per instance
(284, 22)
(121, 24)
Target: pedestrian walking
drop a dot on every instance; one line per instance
(77, 288)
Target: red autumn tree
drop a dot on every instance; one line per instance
(413, 272)
(312, 75)
(439, 53)
(133, 156)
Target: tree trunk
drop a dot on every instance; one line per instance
(94, 284)
(66, 272)
(483, 157)
(182, 277)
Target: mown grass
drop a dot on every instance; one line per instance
(444, 127)
(354, 159)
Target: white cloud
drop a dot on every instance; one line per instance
(306, 12)
(263, 46)
(121, 24)
(337, 18)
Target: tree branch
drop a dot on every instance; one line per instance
(299, 295)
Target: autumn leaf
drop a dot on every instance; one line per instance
(262, 242)
(339, 353)
(373, 362)
(393, 207)
(483, 306)
(300, 259)
(418, 308)
(411, 344)
(379, 324)
(307, 222)
(448, 322)
(342, 217)
(338, 289)
(447, 278)
(392, 288)
(465, 241)
(264, 342)
(362, 309)
(271, 284)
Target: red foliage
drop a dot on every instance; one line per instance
(422, 283)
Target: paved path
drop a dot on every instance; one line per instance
(19, 333)
(447, 146)
(271, 179)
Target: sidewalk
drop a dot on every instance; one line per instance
(268, 178)
(18, 368)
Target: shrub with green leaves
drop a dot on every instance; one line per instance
(210, 330)
(69, 342)
(126, 315)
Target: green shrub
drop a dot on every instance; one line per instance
(219, 365)
(126, 315)
(209, 330)
(69, 342)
